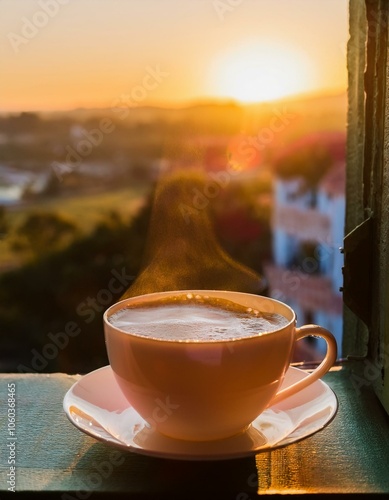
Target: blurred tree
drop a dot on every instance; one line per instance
(4, 226)
(41, 233)
(78, 282)
(311, 157)
(72, 284)
(24, 122)
(242, 220)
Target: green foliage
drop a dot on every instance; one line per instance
(44, 295)
(311, 156)
(241, 215)
(4, 225)
(74, 284)
(310, 162)
(42, 233)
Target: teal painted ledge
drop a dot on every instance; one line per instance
(53, 459)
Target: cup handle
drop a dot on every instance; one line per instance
(325, 365)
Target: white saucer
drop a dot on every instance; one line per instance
(96, 406)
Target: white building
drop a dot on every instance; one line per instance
(308, 229)
(15, 182)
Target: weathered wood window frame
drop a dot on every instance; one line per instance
(366, 269)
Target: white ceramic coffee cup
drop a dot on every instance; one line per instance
(209, 389)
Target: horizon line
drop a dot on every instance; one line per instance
(189, 103)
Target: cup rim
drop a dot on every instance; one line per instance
(121, 304)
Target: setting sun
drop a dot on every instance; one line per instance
(256, 72)
(251, 54)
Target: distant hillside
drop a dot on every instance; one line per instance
(326, 103)
(321, 106)
(329, 109)
(140, 136)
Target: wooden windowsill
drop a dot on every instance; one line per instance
(348, 456)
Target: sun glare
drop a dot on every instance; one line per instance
(258, 72)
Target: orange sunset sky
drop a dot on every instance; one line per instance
(63, 54)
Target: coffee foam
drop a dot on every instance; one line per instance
(195, 318)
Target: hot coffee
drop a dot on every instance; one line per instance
(195, 318)
(213, 359)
